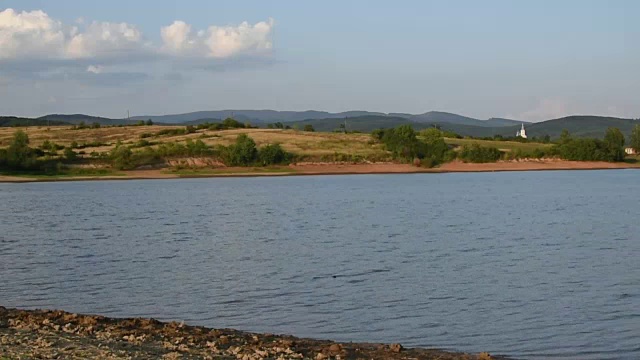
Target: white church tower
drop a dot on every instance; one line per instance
(522, 133)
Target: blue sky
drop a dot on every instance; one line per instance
(531, 60)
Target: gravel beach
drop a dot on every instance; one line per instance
(46, 334)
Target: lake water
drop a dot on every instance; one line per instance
(528, 264)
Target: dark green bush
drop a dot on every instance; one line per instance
(242, 153)
(273, 154)
(122, 157)
(584, 149)
(19, 155)
(475, 153)
(70, 155)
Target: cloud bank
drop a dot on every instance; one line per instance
(35, 36)
(218, 42)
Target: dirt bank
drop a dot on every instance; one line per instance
(338, 169)
(524, 165)
(61, 335)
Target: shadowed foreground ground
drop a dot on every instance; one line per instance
(41, 334)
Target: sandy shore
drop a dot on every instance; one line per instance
(342, 169)
(533, 165)
(27, 334)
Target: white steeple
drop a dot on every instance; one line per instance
(522, 133)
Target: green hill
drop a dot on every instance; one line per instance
(76, 119)
(578, 126)
(360, 123)
(6, 121)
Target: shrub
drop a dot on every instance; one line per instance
(121, 157)
(230, 123)
(309, 127)
(19, 155)
(273, 154)
(479, 154)
(583, 149)
(69, 154)
(171, 132)
(242, 153)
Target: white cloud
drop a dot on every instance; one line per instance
(30, 34)
(218, 41)
(104, 39)
(34, 35)
(95, 69)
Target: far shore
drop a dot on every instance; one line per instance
(333, 169)
(45, 334)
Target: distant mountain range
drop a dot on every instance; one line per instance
(257, 117)
(365, 121)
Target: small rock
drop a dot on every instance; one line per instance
(334, 348)
(287, 343)
(321, 356)
(484, 356)
(396, 348)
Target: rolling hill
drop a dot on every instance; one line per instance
(6, 121)
(76, 119)
(372, 122)
(255, 117)
(258, 117)
(363, 121)
(578, 126)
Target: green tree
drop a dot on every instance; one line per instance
(121, 157)
(48, 146)
(19, 155)
(565, 136)
(231, 123)
(475, 153)
(635, 138)
(69, 154)
(614, 142)
(149, 122)
(273, 154)
(309, 128)
(243, 152)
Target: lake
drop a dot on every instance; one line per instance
(535, 265)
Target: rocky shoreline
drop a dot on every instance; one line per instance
(54, 334)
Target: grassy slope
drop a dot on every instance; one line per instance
(502, 145)
(311, 144)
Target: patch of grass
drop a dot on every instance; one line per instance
(501, 145)
(632, 159)
(226, 171)
(64, 173)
